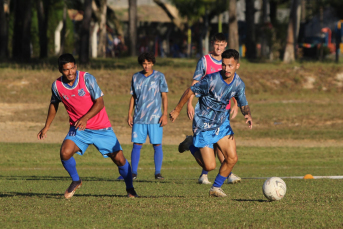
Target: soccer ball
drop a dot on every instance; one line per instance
(274, 188)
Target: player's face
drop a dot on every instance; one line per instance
(69, 71)
(219, 47)
(147, 66)
(229, 67)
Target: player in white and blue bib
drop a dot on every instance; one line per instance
(149, 93)
(209, 125)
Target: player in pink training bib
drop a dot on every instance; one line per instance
(89, 123)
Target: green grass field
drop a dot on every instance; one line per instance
(32, 184)
(297, 131)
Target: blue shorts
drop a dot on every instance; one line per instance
(208, 138)
(140, 132)
(104, 140)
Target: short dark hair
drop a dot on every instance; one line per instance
(218, 37)
(231, 53)
(149, 56)
(64, 59)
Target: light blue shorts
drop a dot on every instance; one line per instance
(208, 138)
(104, 140)
(141, 131)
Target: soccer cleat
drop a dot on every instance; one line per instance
(233, 179)
(131, 193)
(72, 188)
(203, 179)
(159, 176)
(217, 192)
(184, 146)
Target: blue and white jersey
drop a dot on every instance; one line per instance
(214, 94)
(205, 62)
(148, 98)
(91, 85)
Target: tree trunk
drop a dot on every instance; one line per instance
(3, 32)
(133, 26)
(250, 41)
(63, 32)
(264, 42)
(42, 14)
(84, 34)
(233, 26)
(102, 29)
(22, 30)
(289, 54)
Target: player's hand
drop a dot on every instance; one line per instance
(190, 111)
(81, 123)
(130, 120)
(248, 120)
(234, 111)
(42, 134)
(163, 120)
(173, 115)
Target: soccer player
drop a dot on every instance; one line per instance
(210, 124)
(89, 123)
(149, 92)
(208, 64)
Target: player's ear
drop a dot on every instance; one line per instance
(75, 66)
(238, 64)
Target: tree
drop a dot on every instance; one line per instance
(101, 14)
(84, 33)
(22, 30)
(3, 32)
(289, 54)
(250, 41)
(42, 14)
(133, 26)
(233, 25)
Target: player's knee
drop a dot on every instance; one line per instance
(233, 159)
(210, 167)
(66, 154)
(118, 158)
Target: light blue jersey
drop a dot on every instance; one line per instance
(201, 69)
(148, 99)
(214, 94)
(91, 85)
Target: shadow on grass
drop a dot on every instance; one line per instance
(246, 200)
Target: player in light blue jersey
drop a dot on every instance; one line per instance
(209, 64)
(210, 125)
(149, 92)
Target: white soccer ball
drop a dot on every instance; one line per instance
(274, 188)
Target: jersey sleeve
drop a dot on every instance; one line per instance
(55, 97)
(132, 89)
(163, 84)
(201, 88)
(92, 86)
(240, 95)
(200, 70)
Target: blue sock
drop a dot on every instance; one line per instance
(219, 181)
(204, 172)
(229, 174)
(125, 172)
(193, 149)
(70, 166)
(158, 158)
(135, 155)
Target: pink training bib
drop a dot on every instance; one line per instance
(212, 67)
(78, 102)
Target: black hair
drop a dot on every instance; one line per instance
(149, 56)
(64, 59)
(231, 53)
(218, 37)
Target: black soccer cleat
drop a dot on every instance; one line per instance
(159, 176)
(131, 193)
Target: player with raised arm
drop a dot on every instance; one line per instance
(209, 64)
(89, 123)
(210, 125)
(149, 92)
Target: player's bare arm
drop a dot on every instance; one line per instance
(129, 115)
(190, 108)
(53, 107)
(98, 105)
(164, 118)
(247, 115)
(185, 97)
(234, 109)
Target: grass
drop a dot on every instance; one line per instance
(32, 183)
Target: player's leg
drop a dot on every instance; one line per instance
(108, 145)
(227, 145)
(138, 137)
(155, 132)
(205, 157)
(75, 142)
(232, 178)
